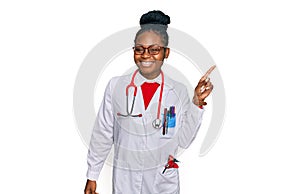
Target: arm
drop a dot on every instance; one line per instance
(192, 112)
(190, 122)
(102, 138)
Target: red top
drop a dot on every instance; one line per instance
(148, 90)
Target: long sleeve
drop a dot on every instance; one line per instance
(102, 136)
(190, 121)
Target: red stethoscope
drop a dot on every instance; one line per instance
(157, 123)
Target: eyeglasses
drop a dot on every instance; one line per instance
(152, 49)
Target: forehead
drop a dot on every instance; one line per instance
(149, 38)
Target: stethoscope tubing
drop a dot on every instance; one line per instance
(157, 122)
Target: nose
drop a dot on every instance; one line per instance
(146, 53)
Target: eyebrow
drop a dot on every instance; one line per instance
(148, 45)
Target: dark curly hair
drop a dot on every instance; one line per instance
(157, 22)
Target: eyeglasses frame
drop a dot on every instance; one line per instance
(148, 49)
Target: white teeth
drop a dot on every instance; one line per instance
(146, 63)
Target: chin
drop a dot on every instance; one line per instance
(149, 74)
(146, 71)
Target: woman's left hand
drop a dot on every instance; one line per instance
(203, 89)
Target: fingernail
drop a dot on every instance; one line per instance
(202, 89)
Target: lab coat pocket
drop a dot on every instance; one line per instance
(168, 182)
(168, 118)
(168, 129)
(129, 126)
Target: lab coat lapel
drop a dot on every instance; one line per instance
(140, 100)
(151, 113)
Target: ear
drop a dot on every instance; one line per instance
(167, 52)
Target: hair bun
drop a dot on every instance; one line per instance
(155, 17)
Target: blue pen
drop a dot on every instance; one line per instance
(172, 117)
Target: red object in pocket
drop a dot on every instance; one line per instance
(172, 162)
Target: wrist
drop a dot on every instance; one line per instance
(199, 103)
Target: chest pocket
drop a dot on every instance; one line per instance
(168, 118)
(169, 115)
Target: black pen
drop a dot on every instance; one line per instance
(165, 121)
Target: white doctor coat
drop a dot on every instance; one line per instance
(141, 151)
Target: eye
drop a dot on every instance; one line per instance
(139, 49)
(154, 49)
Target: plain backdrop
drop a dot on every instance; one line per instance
(255, 45)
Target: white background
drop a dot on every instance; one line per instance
(254, 43)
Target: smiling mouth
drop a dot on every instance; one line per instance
(147, 63)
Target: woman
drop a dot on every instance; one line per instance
(148, 120)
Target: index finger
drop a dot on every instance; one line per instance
(209, 71)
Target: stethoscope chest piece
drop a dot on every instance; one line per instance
(157, 124)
